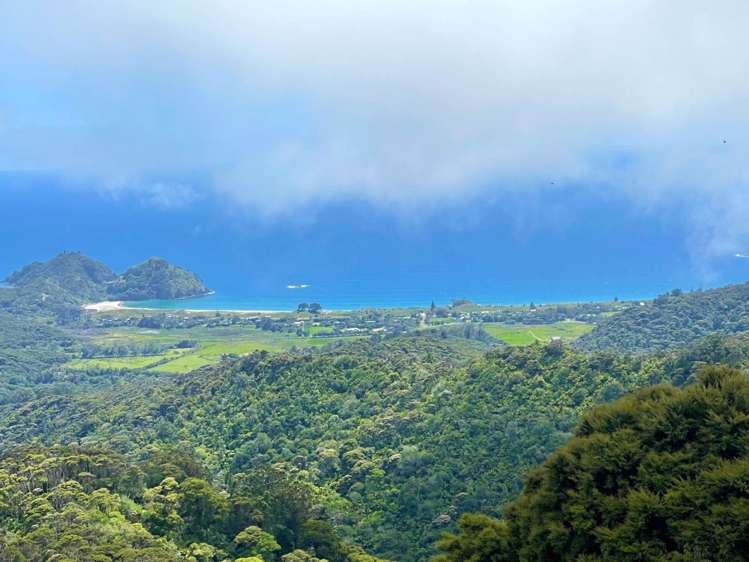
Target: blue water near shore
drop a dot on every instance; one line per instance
(348, 296)
(419, 286)
(565, 247)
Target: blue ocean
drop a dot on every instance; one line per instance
(495, 251)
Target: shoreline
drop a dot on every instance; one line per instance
(111, 306)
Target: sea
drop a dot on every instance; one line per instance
(419, 289)
(561, 248)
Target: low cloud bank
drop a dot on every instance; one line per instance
(284, 105)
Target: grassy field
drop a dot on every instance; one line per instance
(526, 335)
(185, 364)
(213, 345)
(137, 362)
(314, 330)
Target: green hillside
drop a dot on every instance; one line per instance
(29, 349)
(399, 437)
(659, 475)
(73, 272)
(155, 279)
(56, 288)
(672, 320)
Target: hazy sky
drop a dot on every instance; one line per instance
(283, 107)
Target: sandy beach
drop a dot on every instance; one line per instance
(104, 306)
(109, 306)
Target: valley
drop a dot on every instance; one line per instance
(119, 340)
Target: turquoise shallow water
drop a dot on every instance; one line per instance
(357, 296)
(290, 303)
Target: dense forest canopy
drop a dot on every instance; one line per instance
(657, 475)
(397, 438)
(672, 320)
(71, 271)
(70, 503)
(29, 348)
(156, 279)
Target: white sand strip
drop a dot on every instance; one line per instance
(104, 306)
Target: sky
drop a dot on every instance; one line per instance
(427, 117)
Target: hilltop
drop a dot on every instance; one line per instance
(71, 272)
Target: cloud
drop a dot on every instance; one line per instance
(168, 196)
(286, 104)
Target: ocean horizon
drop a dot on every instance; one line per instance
(286, 299)
(348, 257)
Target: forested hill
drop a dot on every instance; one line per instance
(396, 438)
(60, 285)
(672, 320)
(156, 279)
(71, 272)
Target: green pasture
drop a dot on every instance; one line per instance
(523, 334)
(135, 362)
(213, 344)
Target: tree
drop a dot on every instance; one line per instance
(201, 506)
(481, 538)
(203, 552)
(299, 555)
(320, 538)
(302, 307)
(162, 502)
(285, 502)
(253, 541)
